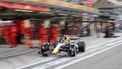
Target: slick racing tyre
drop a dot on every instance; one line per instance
(45, 54)
(45, 50)
(81, 46)
(72, 51)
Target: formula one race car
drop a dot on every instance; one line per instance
(71, 45)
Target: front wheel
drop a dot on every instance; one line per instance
(45, 50)
(72, 52)
(45, 54)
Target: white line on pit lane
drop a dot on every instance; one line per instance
(58, 61)
(113, 41)
(47, 65)
(62, 60)
(36, 63)
(78, 60)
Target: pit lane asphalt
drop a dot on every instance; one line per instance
(111, 59)
(56, 63)
(31, 58)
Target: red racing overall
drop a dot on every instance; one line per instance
(6, 31)
(29, 36)
(13, 35)
(54, 34)
(43, 35)
(21, 30)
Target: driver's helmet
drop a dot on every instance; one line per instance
(66, 39)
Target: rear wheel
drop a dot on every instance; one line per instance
(81, 46)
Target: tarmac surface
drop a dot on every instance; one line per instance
(23, 58)
(111, 59)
